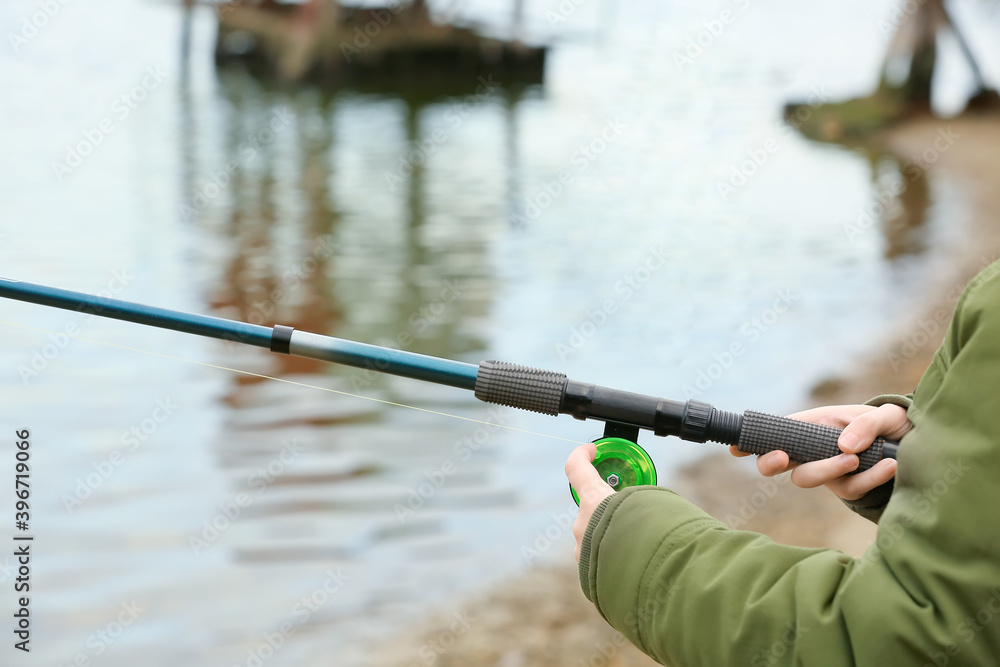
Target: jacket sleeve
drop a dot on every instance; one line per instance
(872, 504)
(689, 591)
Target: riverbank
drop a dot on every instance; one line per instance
(542, 618)
(966, 169)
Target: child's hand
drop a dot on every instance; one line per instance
(861, 424)
(589, 486)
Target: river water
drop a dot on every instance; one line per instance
(578, 225)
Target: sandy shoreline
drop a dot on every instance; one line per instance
(542, 618)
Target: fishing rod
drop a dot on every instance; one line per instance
(620, 460)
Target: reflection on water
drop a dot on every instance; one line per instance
(399, 219)
(903, 197)
(386, 274)
(333, 479)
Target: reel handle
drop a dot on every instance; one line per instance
(622, 463)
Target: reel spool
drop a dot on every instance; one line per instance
(621, 463)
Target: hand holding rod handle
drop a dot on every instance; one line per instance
(755, 432)
(803, 441)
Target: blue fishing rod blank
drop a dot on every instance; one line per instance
(277, 339)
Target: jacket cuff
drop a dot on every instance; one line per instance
(633, 526)
(872, 504)
(668, 512)
(585, 545)
(896, 399)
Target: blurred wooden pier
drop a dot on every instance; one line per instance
(325, 41)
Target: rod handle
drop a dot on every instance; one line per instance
(803, 441)
(519, 386)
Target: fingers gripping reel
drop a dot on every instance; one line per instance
(620, 461)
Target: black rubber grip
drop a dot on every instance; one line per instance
(802, 441)
(520, 387)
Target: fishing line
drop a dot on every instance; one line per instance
(300, 384)
(624, 413)
(622, 462)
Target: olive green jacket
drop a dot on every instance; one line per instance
(690, 591)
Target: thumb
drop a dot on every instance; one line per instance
(584, 476)
(863, 429)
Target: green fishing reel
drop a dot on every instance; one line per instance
(621, 463)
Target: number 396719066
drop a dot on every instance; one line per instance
(22, 477)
